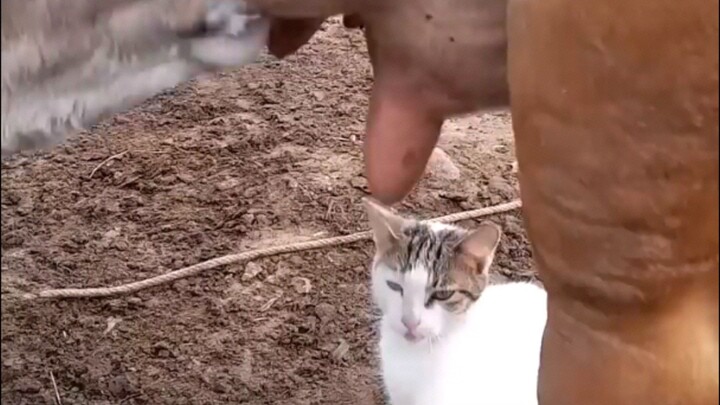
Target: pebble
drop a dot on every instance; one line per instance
(247, 219)
(163, 350)
(227, 184)
(441, 166)
(341, 351)
(325, 312)
(220, 387)
(120, 386)
(252, 269)
(302, 285)
(297, 261)
(28, 386)
(185, 177)
(500, 186)
(359, 183)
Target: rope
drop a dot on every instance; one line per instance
(248, 256)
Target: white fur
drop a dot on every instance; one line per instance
(488, 356)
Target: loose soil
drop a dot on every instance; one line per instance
(266, 155)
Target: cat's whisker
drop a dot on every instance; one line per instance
(433, 340)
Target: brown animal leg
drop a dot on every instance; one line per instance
(615, 108)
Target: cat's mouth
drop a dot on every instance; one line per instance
(415, 338)
(412, 338)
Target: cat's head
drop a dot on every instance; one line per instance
(426, 275)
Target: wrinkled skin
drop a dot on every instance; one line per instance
(615, 109)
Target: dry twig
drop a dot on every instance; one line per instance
(104, 162)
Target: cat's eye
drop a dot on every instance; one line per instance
(395, 286)
(442, 295)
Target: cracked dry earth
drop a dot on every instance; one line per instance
(266, 155)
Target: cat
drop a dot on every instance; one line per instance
(447, 336)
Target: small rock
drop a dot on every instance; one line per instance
(121, 119)
(262, 220)
(163, 350)
(499, 185)
(12, 240)
(501, 148)
(361, 289)
(247, 219)
(302, 285)
(227, 184)
(111, 323)
(152, 370)
(233, 269)
(440, 166)
(185, 177)
(108, 236)
(120, 386)
(282, 270)
(168, 179)
(297, 261)
(220, 387)
(25, 207)
(116, 304)
(163, 354)
(113, 207)
(250, 192)
(359, 183)
(341, 350)
(28, 386)
(252, 269)
(325, 312)
(454, 196)
(181, 284)
(513, 225)
(243, 104)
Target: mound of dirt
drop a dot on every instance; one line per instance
(262, 156)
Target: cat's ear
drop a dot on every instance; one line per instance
(386, 226)
(477, 249)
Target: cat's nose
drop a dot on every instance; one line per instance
(411, 323)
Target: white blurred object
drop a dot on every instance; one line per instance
(68, 64)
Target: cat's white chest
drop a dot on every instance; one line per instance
(492, 360)
(424, 375)
(406, 369)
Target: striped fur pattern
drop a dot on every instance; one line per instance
(433, 267)
(436, 247)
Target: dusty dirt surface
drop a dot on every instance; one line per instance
(263, 156)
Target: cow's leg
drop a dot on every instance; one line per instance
(615, 108)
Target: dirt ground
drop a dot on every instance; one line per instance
(266, 155)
